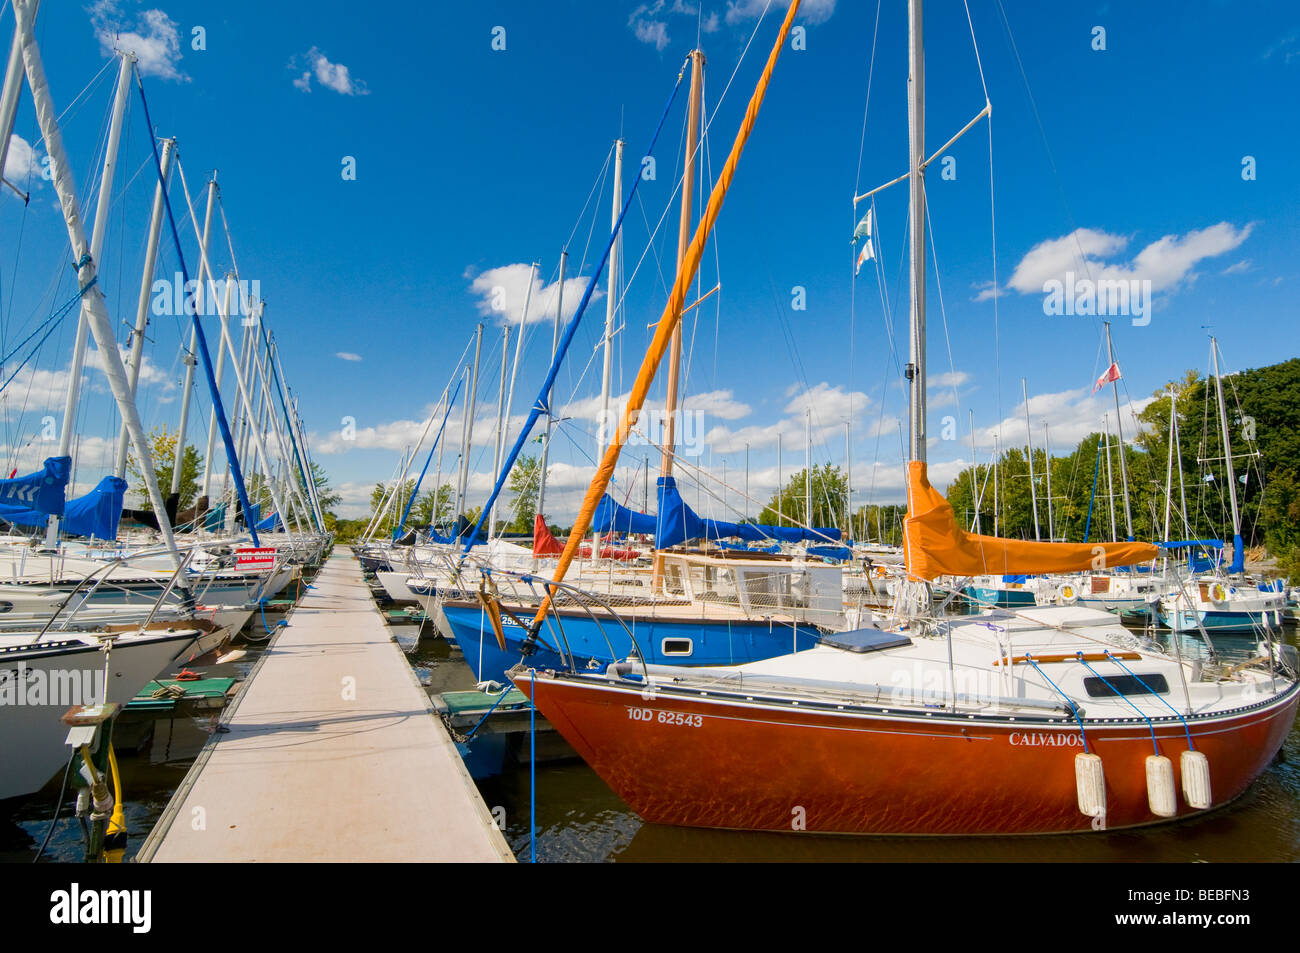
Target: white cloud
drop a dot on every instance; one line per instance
(154, 38)
(812, 12)
(333, 76)
(502, 291)
(347, 356)
(1238, 268)
(22, 162)
(1167, 262)
(1070, 415)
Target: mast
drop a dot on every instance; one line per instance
(807, 467)
(1029, 451)
(1169, 467)
(200, 294)
(13, 87)
(1110, 480)
(683, 242)
(1227, 462)
(142, 306)
(848, 478)
(550, 416)
(996, 445)
(611, 298)
(916, 186)
(974, 472)
(98, 229)
(780, 507)
(1047, 465)
(93, 311)
(473, 405)
(501, 409)
(1119, 429)
(464, 450)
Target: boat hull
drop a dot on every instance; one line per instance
(726, 763)
(593, 644)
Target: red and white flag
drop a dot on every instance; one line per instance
(1112, 374)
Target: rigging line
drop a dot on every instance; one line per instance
(947, 340)
(599, 181)
(1042, 131)
(111, 61)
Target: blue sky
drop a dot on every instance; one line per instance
(1125, 161)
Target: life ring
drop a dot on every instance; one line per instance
(1066, 594)
(1218, 593)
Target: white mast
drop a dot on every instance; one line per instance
(916, 186)
(13, 89)
(146, 288)
(1227, 448)
(1047, 463)
(1029, 450)
(200, 294)
(469, 415)
(1119, 429)
(1110, 480)
(501, 409)
(92, 301)
(96, 246)
(807, 467)
(611, 300)
(550, 410)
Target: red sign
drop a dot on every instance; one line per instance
(255, 558)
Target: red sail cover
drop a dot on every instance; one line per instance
(544, 544)
(934, 545)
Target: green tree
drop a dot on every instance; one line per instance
(829, 499)
(525, 483)
(162, 447)
(434, 507)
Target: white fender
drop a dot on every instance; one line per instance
(1196, 779)
(1090, 780)
(1161, 796)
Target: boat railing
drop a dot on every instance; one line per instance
(107, 570)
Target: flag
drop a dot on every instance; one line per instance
(863, 230)
(866, 254)
(1112, 374)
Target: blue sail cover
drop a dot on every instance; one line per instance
(677, 523)
(270, 523)
(215, 518)
(610, 517)
(29, 500)
(98, 512)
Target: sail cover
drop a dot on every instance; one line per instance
(934, 545)
(611, 517)
(678, 523)
(544, 544)
(41, 492)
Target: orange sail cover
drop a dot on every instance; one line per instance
(934, 545)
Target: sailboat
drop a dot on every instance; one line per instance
(1042, 720)
(1225, 600)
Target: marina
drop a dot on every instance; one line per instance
(416, 507)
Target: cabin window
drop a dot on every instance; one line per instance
(1153, 684)
(678, 646)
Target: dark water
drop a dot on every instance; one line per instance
(580, 819)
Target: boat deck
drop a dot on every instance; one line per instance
(332, 753)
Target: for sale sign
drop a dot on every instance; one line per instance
(255, 558)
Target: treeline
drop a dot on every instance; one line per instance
(1263, 415)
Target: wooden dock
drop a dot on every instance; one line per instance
(333, 753)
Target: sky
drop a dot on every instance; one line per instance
(388, 181)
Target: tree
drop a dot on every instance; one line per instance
(326, 496)
(162, 447)
(829, 495)
(525, 484)
(393, 513)
(434, 507)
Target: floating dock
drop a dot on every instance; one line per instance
(331, 752)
